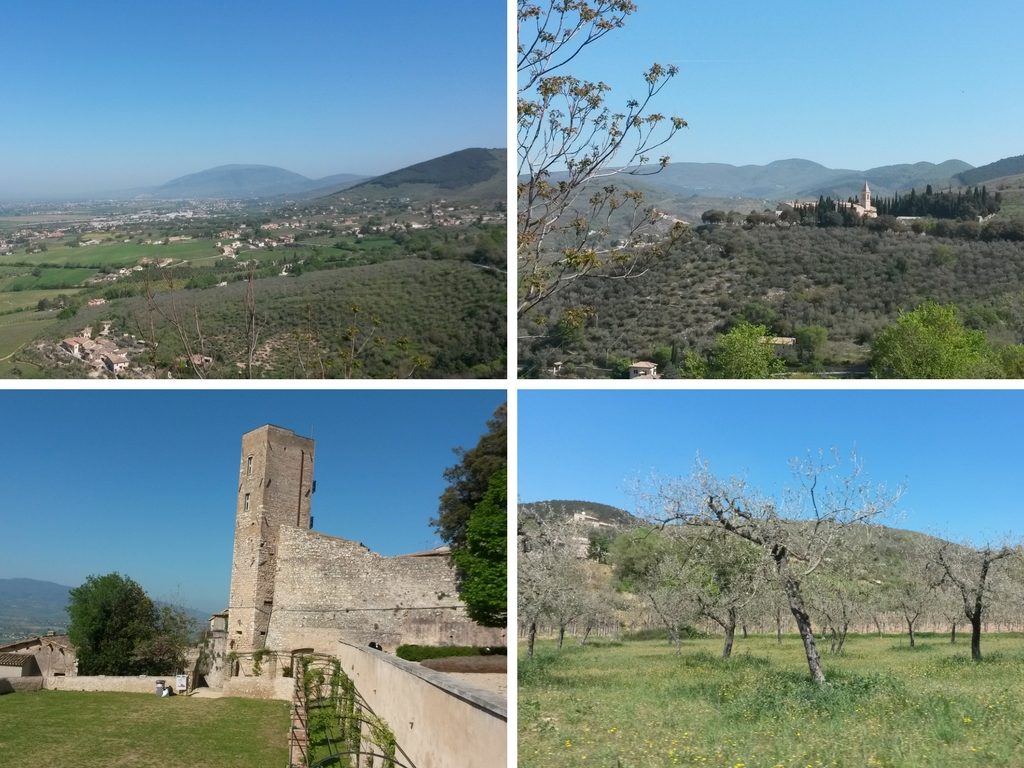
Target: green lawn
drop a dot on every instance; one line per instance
(632, 704)
(129, 730)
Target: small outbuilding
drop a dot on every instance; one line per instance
(643, 369)
(53, 655)
(18, 665)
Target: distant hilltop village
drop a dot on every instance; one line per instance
(861, 206)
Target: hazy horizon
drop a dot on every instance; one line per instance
(820, 81)
(109, 98)
(86, 194)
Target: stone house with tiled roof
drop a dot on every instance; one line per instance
(53, 654)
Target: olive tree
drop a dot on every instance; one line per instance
(910, 594)
(724, 576)
(551, 556)
(794, 529)
(972, 573)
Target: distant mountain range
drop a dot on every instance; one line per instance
(466, 174)
(31, 607)
(796, 179)
(248, 181)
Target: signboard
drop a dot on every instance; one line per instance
(181, 683)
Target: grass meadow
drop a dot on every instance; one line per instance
(19, 328)
(48, 277)
(15, 301)
(635, 703)
(134, 730)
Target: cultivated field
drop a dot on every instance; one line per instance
(135, 730)
(635, 703)
(16, 301)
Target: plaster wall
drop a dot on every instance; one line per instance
(437, 722)
(137, 684)
(20, 684)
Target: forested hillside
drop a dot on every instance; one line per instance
(1008, 166)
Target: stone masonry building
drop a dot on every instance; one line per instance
(275, 488)
(294, 589)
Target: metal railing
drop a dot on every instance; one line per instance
(331, 723)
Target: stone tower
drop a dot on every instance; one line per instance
(275, 486)
(865, 197)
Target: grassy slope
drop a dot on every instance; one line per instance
(636, 704)
(138, 730)
(19, 328)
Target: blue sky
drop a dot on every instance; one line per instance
(116, 93)
(845, 85)
(956, 452)
(145, 483)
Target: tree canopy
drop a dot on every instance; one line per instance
(469, 480)
(745, 352)
(931, 342)
(483, 561)
(118, 630)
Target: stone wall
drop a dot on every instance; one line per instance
(260, 687)
(20, 684)
(325, 584)
(137, 684)
(437, 722)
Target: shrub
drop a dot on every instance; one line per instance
(421, 652)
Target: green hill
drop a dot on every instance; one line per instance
(1008, 166)
(468, 174)
(561, 508)
(449, 311)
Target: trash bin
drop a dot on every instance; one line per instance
(160, 685)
